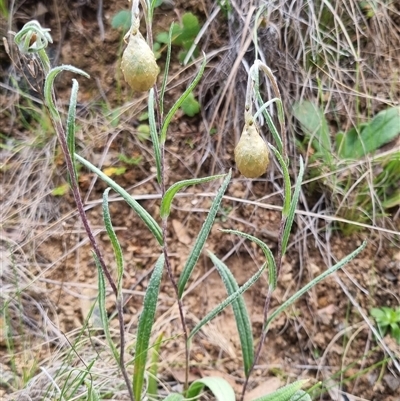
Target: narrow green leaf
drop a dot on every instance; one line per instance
(293, 205)
(145, 325)
(166, 69)
(311, 284)
(71, 124)
(202, 237)
(48, 86)
(242, 318)
(154, 135)
(152, 387)
(272, 278)
(103, 310)
(220, 388)
(265, 112)
(179, 102)
(227, 301)
(141, 212)
(114, 242)
(286, 179)
(175, 188)
(285, 393)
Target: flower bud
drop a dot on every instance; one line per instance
(139, 64)
(251, 153)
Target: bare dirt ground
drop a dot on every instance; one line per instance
(323, 337)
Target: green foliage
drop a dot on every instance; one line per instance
(388, 321)
(220, 388)
(222, 391)
(369, 137)
(182, 35)
(291, 392)
(358, 142)
(190, 106)
(121, 20)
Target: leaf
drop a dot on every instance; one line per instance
(311, 284)
(71, 125)
(227, 301)
(152, 388)
(49, 84)
(154, 135)
(272, 279)
(286, 179)
(202, 237)
(190, 106)
(220, 388)
(178, 103)
(114, 242)
(293, 205)
(145, 325)
(103, 310)
(151, 224)
(121, 19)
(242, 318)
(175, 188)
(285, 393)
(367, 138)
(314, 124)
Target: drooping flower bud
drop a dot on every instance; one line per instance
(139, 64)
(251, 153)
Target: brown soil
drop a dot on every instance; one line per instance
(322, 337)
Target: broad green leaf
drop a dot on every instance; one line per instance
(293, 205)
(142, 213)
(175, 188)
(145, 325)
(122, 19)
(272, 279)
(114, 242)
(227, 301)
(202, 237)
(311, 284)
(242, 318)
(154, 135)
(314, 124)
(367, 138)
(182, 98)
(286, 393)
(220, 388)
(190, 106)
